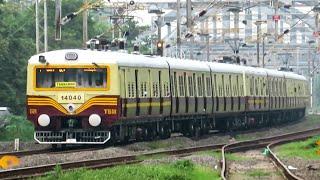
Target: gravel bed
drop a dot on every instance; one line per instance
(201, 159)
(252, 165)
(307, 169)
(24, 146)
(42, 159)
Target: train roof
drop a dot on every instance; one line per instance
(131, 60)
(190, 65)
(291, 75)
(100, 57)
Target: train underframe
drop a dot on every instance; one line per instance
(146, 129)
(197, 125)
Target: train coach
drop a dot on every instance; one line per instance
(92, 97)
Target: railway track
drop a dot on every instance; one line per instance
(267, 143)
(48, 151)
(29, 172)
(81, 148)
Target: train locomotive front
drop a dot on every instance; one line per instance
(70, 97)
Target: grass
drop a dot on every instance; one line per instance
(258, 173)
(17, 127)
(180, 170)
(244, 137)
(305, 149)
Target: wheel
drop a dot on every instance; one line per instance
(197, 132)
(191, 130)
(54, 146)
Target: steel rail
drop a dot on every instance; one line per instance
(263, 142)
(289, 175)
(47, 151)
(79, 149)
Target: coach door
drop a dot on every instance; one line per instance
(123, 93)
(137, 92)
(130, 92)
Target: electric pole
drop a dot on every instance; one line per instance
(190, 26)
(45, 29)
(85, 25)
(37, 27)
(178, 30)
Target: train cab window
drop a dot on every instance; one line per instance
(71, 78)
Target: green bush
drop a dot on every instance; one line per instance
(16, 127)
(180, 170)
(184, 165)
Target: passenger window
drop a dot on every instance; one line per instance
(209, 88)
(190, 85)
(172, 85)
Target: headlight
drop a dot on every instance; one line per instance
(94, 120)
(44, 120)
(71, 108)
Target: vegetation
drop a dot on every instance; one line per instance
(16, 127)
(244, 137)
(307, 149)
(258, 173)
(179, 170)
(17, 42)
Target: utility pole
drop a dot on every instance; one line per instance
(258, 43)
(45, 21)
(258, 24)
(263, 44)
(208, 47)
(190, 26)
(178, 30)
(37, 27)
(58, 20)
(310, 71)
(317, 23)
(85, 25)
(263, 47)
(276, 18)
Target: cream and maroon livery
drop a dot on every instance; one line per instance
(91, 97)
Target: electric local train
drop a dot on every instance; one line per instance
(92, 97)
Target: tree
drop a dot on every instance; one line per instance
(17, 45)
